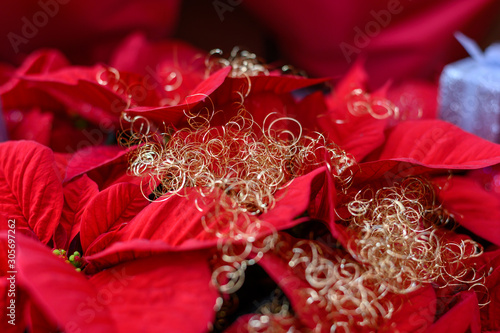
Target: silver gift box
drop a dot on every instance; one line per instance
(469, 91)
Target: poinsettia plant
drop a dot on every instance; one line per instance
(175, 191)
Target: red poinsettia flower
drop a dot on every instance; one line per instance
(88, 201)
(66, 215)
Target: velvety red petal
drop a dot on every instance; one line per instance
(294, 287)
(262, 89)
(174, 114)
(17, 93)
(169, 293)
(108, 212)
(276, 84)
(295, 199)
(462, 317)
(96, 158)
(77, 195)
(62, 293)
(175, 220)
(437, 144)
(472, 206)
(30, 188)
(357, 134)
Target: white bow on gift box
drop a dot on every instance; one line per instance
(469, 90)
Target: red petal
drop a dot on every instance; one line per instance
(108, 212)
(62, 160)
(174, 114)
(415, 99)
(358, 135)
(6, 296)
(157, 61)
(472, 206)
(294, 287)
(17, 324)
(176, 221)
(295, 199)
(61, 292)
(95, 158)
(77, 89)
(489, 314)
(32, 125)
(275, 84)
(17, 93)
(462, 317)
(120, 252)
(169, 293)
(30, 188)
(416, 311)
(272, 323)
(437, 144)
(356, 78)
(77, 194)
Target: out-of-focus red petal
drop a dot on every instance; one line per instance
(62, 293)
(355, 78)
(357, 134)
(415, 99)
(77, 194)
(169, 292)
(421, 304)
(276, 84)
(294, 287)
(173, 68)
(437, 144)
(12, 298)
(10, 323)
(30, 188)
(471, 205)
(30, 125)
(108, 212)
(62, 160)
(462, 317)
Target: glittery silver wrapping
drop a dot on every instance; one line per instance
(469, 94)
